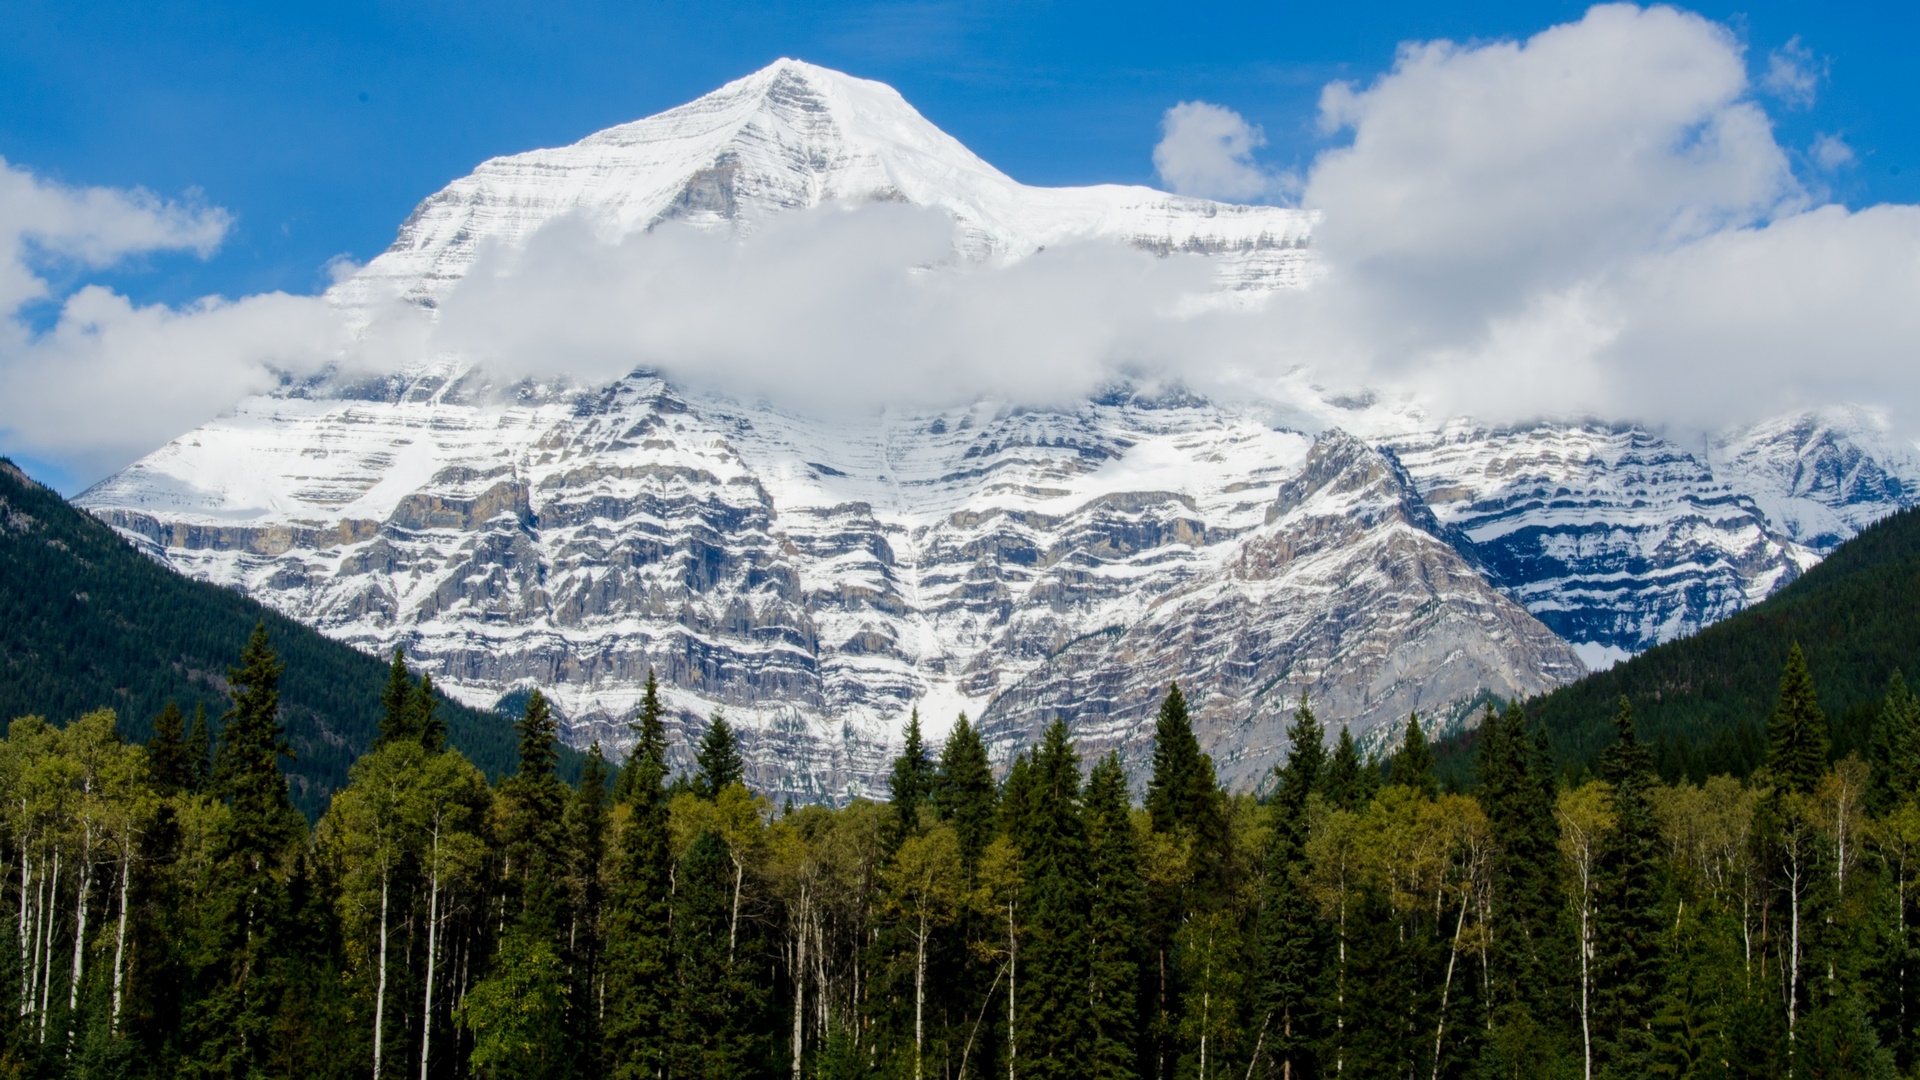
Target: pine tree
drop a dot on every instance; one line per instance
(587, 836)
(963, 791)
(396, 703)
(167, 760)
(1797, 731)
(1628, 925)
(718, 760)
(1288, 947)
(1054, 1025)
(911, 782)
(1113, 926)
(200, 751)
(638, 952)
(423, 708)
(1181, 793)
(1413, 764)
(1528, 957)
(248, 905)
(1349, 783)
(716, 1001)
(1894, 751)
(534, 829)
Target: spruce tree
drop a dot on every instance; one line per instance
(1349, 782)
(587, 836)
(1113, 926)
(423, 710)
(167, 760)
(248, 902)
(717, 760)
(1413, 764)
(1628, 925)
(1289, 947)
(1054, 1023)
(911, 782)
(638, 960)
(1528, 956)
(716, 999)
(1894, 752)
(1180, 793)
(963, 791)
(396, 703)
(1797, 731)
(534, 829)
(200, 751)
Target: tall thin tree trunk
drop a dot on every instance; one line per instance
(120, 939)
(380, 994)
(805, 922)
(1586, 975)
(1013, 984)
(26, 962)
(1793, 964)
(919, 993)
(733, 924)
(46, 948)
(1446, 988)
(79, 934)
(433, 956)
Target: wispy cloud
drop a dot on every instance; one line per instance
(1207, 151)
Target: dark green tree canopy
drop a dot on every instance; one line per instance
(718, 761)
(1413, 763)
(1797, 731)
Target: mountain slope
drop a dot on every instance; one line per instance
(87, 622)
(1709, 695)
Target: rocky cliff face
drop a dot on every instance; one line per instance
(818, 578)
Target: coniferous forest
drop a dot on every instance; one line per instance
(175, 915)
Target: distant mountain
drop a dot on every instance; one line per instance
(87, 622)
(817, 579)
(1705, 699)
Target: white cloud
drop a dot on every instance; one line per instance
(1597, 220)
(1793, 75)
(110, 381)
(1831, 153)
(1207, 151)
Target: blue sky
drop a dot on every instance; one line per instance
(320, 125)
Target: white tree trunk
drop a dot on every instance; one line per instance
(433, 927)
(120, 940)
(1793, 964)
(380, 994)
(733, 924)
(919, 993)
(1446, 988)
(805, 927)
(26, 937)
(1013, 984)
(79, 934)
(46, 947)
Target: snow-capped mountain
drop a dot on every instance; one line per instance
(817, 579)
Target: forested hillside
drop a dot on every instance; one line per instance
(86, 622)
(1702, 701)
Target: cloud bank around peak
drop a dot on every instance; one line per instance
(1597, 220)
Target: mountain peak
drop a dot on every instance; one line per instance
(789, 137)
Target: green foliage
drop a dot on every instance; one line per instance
(86, 621)
(1797, 732)
(963, 794)
(517, 1014)
(911, 783)
(1413, 763)
(717, 762)
(1114, 920)
(1701, 701)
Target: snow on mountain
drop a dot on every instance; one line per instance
(793, 136)
(1821, 476)
(818, 579)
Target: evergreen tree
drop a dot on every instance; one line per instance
(200, 751)
(1288, 945)
(396, 703)
(534, 828)
(1113, 926)
(1413, 764)
(1797, 731)
(1181, 794)
(1528, 957)
(963, 791)
(587, 835)
(248, 902)
(638, 953)
(167, 759)
(1349, 783)
(424, 722)
(1054, 1026)
(911, 782)
(1628, 925)
(1894, 751)
(718, 760)
(716, 1000)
